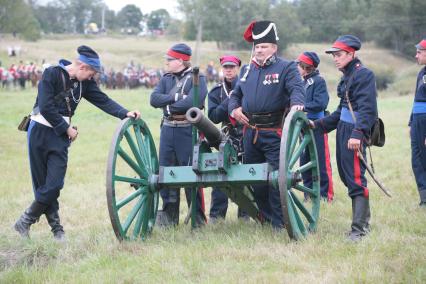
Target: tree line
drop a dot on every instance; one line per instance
(394, 24)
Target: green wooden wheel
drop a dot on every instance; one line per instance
(132, 173)
(299, 217)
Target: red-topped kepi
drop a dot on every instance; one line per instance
(422, 44)
(310, 58)
(349, 43)
(230, 60)
(180, 51)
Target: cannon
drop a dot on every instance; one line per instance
(134, 176)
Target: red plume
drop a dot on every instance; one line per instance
(248, 33)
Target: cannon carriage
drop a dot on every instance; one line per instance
(134, 177)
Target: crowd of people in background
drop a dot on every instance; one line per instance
(22, 75)
(18, 76)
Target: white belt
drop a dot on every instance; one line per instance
(40, 119)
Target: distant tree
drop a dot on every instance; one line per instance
(53, 18)
(175, 29)
(129, 17)
(247, 11)
(81, 12)
(326, 19)
(158, 20)
(110, 20)
(222, 21)
(17, 16)
(321, 17)
(398, 24)
(289, 26)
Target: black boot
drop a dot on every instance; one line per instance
(242, 215)
(360, 218)
(367, 218)
(422, 198)
(30, 216)
(169, 216)
(201, 219)
(55, 223)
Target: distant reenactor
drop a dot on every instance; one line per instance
(1, 73)
(353, 119)
(316, 101)
(174, 95)
(218, 113)
(23, 75)
(418, 125)
(268, 87)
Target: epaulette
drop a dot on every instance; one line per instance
(218, 85)
(358, 65)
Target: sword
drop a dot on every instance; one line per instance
(373, 176)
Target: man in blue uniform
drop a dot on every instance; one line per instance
(358, 84)
(316, 102)
(418, 125)
(174, 94)
(266, 90)
(50, 132)
(218, 113)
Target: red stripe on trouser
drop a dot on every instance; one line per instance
(330, 192)
(357, 173)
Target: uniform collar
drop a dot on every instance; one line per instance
(312, 74)
(63, 62)
(182, 73)
(355, 63)
(268, 61)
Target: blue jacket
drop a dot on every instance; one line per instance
(53, 107)
(182, 101)
(316, 95)
(363, 98)
(269, 88)
(218, 102)
(420, 95)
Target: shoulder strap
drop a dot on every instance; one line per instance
(63, 81)
(309, 82)
(67, 99)
(179, 85)
(347, 96)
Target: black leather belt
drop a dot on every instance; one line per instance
(176, 117)
(265, 119)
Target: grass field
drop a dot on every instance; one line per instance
(229, 252)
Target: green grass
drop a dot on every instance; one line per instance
(227, 252)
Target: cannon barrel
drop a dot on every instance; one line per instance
(213, 135)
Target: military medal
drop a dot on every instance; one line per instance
(267, 80)
(275, 78)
